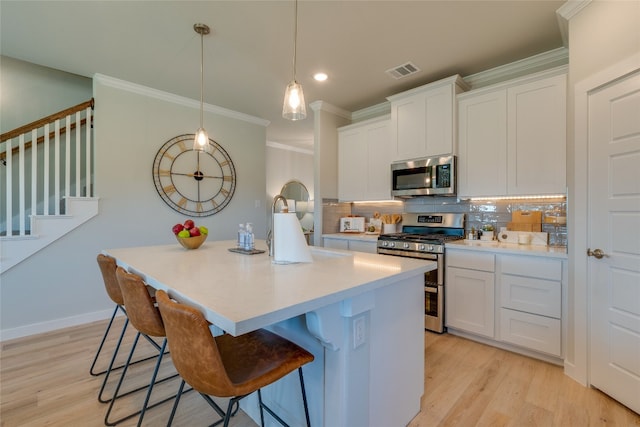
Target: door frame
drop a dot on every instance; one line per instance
(577, 361)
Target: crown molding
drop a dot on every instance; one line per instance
(371, 112)
(564, 14)
(543, 61)
(176, 99)
(330, 108)
(281, 146)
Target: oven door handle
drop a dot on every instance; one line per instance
(431, 289)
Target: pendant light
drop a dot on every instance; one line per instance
(201, 140)
(294, 107)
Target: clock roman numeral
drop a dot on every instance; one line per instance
(227, 178)
(199, 207)
(182, 202)
(169, 189)
(182, 146)
(164, 172)
(224, 191)
(225, 163)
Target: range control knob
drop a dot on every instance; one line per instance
(405, 245)
(385, 243)
(430, 248)
(421, 247)
(392, 244)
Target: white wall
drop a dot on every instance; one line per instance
(61, 285)
(600, 35)
(285, 164)
(31, 92)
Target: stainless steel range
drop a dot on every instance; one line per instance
(423, 236)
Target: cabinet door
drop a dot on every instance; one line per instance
(378, 185)
(351, 166)
(536, 128)
(423, 124)
(407, 116)
(482, 145)
(470, 301)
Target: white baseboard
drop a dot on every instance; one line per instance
(52, 325)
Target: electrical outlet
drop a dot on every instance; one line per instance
(359, 332)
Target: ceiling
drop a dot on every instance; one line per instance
(248, 55)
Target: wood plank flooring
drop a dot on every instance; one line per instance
(44, 381)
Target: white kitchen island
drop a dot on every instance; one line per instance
(361, 315)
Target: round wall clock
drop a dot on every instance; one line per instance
(194, 182)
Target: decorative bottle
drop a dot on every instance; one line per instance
(249, 237)
(242, 234)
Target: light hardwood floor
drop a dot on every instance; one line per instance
(44, 381)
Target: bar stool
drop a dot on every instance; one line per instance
(108, 267)
(145, 317)
(227, 366)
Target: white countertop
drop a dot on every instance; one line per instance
(240, 293)
(500, 247)
(363, 237)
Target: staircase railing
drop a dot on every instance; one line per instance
(42, 163)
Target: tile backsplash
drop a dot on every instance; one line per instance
(498, 213)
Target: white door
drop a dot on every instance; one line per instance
(614, 229)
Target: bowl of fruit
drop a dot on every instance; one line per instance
(189, 235)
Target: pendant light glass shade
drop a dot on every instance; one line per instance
(294, 107)
(201, 139)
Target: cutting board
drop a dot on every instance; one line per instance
(510, 236)
(525, 221)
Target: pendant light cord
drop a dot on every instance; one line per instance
(201, 78)
(295, 37)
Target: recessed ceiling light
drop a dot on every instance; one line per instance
(320, 77)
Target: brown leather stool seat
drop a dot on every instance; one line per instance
(108, 267)
(227, 366)
(145, 317)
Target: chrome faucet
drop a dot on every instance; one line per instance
(273, 210)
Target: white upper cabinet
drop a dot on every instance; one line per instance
(512, 137)
(423, 120)
(364, 161)
(482, 148)
(537, 135)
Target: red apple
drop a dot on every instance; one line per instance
(177, 228)
(189, 224)
(195, 231)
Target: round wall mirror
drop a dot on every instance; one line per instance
(296, 191)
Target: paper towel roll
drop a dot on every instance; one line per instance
(289, 244)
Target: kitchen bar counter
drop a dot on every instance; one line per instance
(559, 252)
(360, 314)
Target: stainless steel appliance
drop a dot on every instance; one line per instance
(423, 236)
(428, 176)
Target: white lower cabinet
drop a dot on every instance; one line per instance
(470, 292)
(352, 245)
(534, 332)
(531, 303)
(470, 300)
(510, 299)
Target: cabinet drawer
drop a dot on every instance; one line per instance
(336, 244)
(531, 295)
(471, 260)
(528, 330)
(369, 247)
(543, 268)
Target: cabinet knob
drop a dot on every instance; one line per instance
(597, 253)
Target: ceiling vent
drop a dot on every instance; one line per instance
(403, 70)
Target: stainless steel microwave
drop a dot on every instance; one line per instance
(427, 176)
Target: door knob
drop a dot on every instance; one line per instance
(598, 253)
